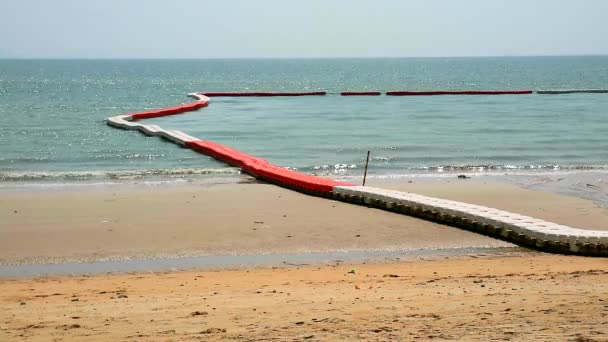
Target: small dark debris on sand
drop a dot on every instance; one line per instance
(213, 331)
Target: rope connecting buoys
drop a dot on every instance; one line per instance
(573, 91)
(457, 92)
(523, 230)
(360, 93)
(263, 94)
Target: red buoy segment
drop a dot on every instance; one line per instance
(360, 93)
(261, 169)
(263, 94)
(457, 92)
(169, 111)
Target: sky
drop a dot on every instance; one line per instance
(300, 29)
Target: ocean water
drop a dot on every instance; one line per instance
(52, 115)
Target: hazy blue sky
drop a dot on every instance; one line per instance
(305, 28)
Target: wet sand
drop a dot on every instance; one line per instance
(539, 298)
(158, 221)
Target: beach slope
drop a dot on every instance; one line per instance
(540, 298)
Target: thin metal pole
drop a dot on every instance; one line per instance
(365, 173)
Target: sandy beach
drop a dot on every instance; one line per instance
(539, 298)
(158, 221)
(522, 296)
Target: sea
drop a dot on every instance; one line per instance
(52, 129)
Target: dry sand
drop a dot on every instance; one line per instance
(44, 226)
(540, 298)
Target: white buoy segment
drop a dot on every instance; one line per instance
(173, 136)
(528, 226)
(199, 97)
(185, 137)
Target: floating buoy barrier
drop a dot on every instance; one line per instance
(457, 92)
(360, 93)
(573, 91)
(522, 230)
(262, 94)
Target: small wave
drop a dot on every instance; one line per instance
(500, 167)
(334, 167)
(328, 170)
(324, 170)
(25, 160)
(379, 169)
(113, 175)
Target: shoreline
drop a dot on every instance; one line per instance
(163, 263)
(585, 184)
